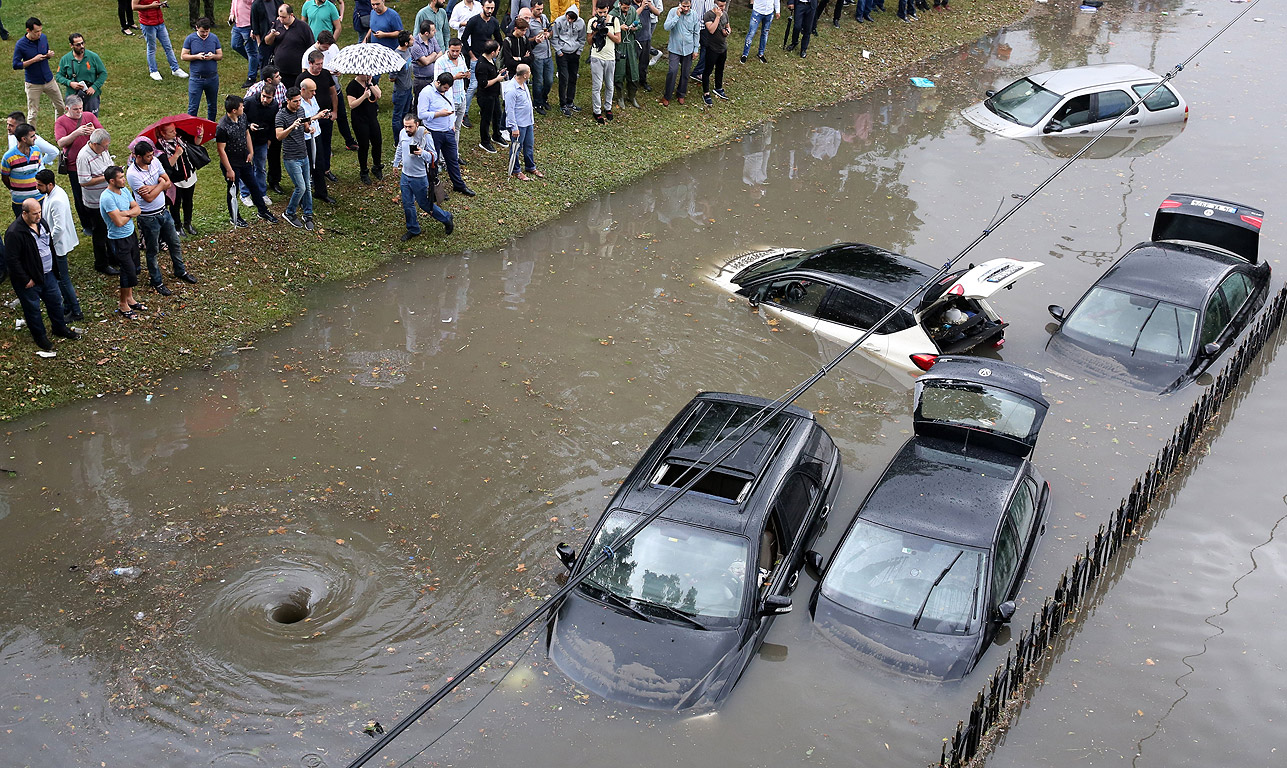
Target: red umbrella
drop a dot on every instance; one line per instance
(198, 129)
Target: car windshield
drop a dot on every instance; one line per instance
(974, 405)
(1023, 102)
(908, 580)
(694, 570)
(1137, 323)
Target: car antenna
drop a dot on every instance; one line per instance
(753, 424)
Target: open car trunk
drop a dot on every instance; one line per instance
(952, 312)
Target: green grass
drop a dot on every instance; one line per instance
(253, 280)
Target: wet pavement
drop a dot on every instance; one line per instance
(334, 517)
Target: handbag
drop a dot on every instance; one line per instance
(196, 155)
(438, 185)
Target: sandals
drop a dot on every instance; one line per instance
(128, 314)
(139, 307)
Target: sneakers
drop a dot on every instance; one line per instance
(598, 118)
(706, 97)
(488, 148)
(762, 59)
(695, 78)
(178, 73)
(366, 177)
(308, 223)
(567, 111)
(378, 172)
(155, 75)
(742, 58)
(720, 93)
(501, 140)
(293, 220)
(161, 289)
(241, 224)
(608, 114)
(268, 217)
(246, 201)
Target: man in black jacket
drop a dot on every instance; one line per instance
(33, 270)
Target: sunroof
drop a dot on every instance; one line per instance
(721, 485)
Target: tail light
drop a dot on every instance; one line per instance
(1186, 113)
(1254, 221)
(999, 343)
(924, 361)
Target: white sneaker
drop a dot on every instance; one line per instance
(245, 200)
(178, 73)
(155, 75)
(268, 200)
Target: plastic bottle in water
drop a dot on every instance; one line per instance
(129, 574)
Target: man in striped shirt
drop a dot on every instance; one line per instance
(19, 165)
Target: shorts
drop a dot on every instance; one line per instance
(125, 254)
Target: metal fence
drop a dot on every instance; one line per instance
(1003, 694)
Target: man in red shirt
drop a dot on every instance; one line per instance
(71, 131)
(153, 23)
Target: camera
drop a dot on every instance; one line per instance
(600, 34)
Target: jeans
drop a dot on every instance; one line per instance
(151, 33)
(602, 71)
(402, 101)
(527, 141)
(760, 21)
(804, 19)
(246, 177)
(46, 290)
(542, 81)
(473, 86)
(569, 66)
(301, 197)
(906, 8)
(247, 48)
(448, 148)
(862, 10)
(415, 191)
(70, 302)
(155, 227)
(677, 75)
(199, 86)
(259, 165)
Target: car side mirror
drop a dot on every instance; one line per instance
(1056, 311)
(1211, 350)
(989, 94)
(1005, 611)
(567, 555)
(813, 563)
(1052, 127)
(775, 605)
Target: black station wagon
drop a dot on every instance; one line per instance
(933, 561)
(1168, 308)
(672, 619)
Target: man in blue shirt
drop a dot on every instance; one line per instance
(415, 156)
(385, 25)
(31, 54)
(437, 110)
(203, 53)
(119, 210)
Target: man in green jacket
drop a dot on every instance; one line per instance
(81, 72)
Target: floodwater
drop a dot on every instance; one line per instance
(335, 517)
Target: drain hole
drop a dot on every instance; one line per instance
(293, 609)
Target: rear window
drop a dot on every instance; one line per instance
(973, 405)
(1164, 98)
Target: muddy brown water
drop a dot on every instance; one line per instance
(335, 517)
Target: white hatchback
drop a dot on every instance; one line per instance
(1078, 100)
(842, 290)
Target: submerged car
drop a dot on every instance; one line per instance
(1168, 308)
(842, 290)
(932, 563)
(671, 620)
(1078, 100)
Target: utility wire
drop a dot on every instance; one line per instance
(755, 423)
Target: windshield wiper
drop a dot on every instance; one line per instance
(1001, 111)
(676, 613)
(609, 597)
(933, 586)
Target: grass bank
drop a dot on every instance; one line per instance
(254, 280)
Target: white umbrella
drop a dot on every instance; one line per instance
(368, 59)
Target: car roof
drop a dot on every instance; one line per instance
(710, 416)
(1181, 274)
(1064, 81)
(940, 489)
(867, 268)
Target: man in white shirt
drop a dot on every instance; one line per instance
(763, 12)
(455, 65)
(149, 181)
(48, 151)
(326, 44)
(463, 12)
(55, 208)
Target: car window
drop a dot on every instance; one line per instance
(974, 405)
(794, 294)
(1023, 507)
(1111, 104)
(1023, 102)
(1074, 112)
(794, 501)
(853, 309)
(1215, 319)
(905, 579)
(786, 261)
(1137, 323)
(1236, 289)
(1164, 98)
(1005, 563)
(692, 569)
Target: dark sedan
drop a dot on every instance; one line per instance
(672, 619)
(933, 561)
(1168, 308)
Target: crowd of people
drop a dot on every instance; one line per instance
(280, 123)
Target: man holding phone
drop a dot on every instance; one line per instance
(415, 156)
(203, 53)
(292, 126)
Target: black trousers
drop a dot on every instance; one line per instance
(194, 11)
(645, 55)
(489, 123)
(86, 215)
(369, 139)
(98, 231)
(320, 162)
(568, 65)
(342, 117)
(274, 162)
(182, 205)
(714, 65)
(125, 12)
